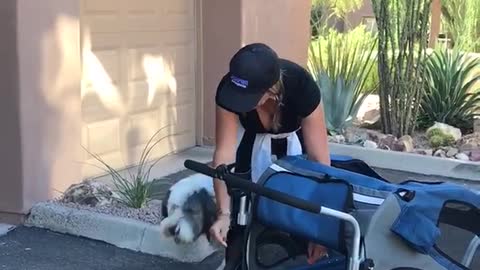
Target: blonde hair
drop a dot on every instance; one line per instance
(277, 90)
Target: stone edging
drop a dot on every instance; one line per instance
(409, 162)
(121, 232)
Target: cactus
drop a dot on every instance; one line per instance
(433, 132)
(436, 141)
(437, 138)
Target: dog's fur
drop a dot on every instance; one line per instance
(189, 209)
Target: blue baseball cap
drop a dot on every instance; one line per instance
(253, 70)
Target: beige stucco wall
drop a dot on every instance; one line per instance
(41, 104)
(355, 18)
(49, 76)
(282, 24)
(221, 36)
(10, 144)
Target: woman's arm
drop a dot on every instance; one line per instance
(225, 143)
(315, 136)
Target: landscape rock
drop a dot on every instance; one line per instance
(475, 155)
(387, 142)
(469, 142)
(476, 124)
(337, 139)
(370, 144)
(371, 119)
(462, 156)
(89, 193)
(452, 151)
(447, 129)
(355, 135)
(404, 144)
(440, 153)
(154, 204)
(374, 135)
(425, 152)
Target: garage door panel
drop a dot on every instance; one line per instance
(177, 22)
(104, 68)
(184, 59)
(143, 6)
(144, 53)
(185, 81)
(141, 99)
(141, 126)
(179, 14)
(95, 108)
(96, 6)
(181, 8)
(102, 41)
(103, 136)
(104, 23)
(184, 96)
(181, 117)
(154, 59)
(159, 38)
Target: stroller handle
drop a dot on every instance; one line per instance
(235, 181)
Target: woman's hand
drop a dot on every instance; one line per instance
(219, 229)
(316, 252)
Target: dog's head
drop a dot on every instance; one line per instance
(188, 220)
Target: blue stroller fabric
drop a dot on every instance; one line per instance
(361, 190)
(321, 229)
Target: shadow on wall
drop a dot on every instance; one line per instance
(49, 70)
(142, 102)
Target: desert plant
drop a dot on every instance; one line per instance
(325, 13)
(134, 190)
(340, 64)
(403, 34)
(461, 19)
(437, 138)
(434, 132)
(451, 95)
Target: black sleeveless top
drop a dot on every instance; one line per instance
(301, 97)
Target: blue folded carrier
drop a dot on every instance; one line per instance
(402, 225)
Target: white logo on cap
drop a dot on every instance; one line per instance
(239, 82)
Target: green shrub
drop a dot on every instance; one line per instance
(452, 95)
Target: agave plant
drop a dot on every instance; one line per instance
(341, 65)
(453, 94)
(135, 189)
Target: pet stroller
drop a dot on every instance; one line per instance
(365, 221)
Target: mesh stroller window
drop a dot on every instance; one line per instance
(459, 224)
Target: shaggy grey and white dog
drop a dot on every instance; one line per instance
(189, 209)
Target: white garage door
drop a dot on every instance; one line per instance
(139, 64)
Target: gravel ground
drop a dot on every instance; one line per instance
(150, 214)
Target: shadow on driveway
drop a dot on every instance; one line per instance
(35, 249)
